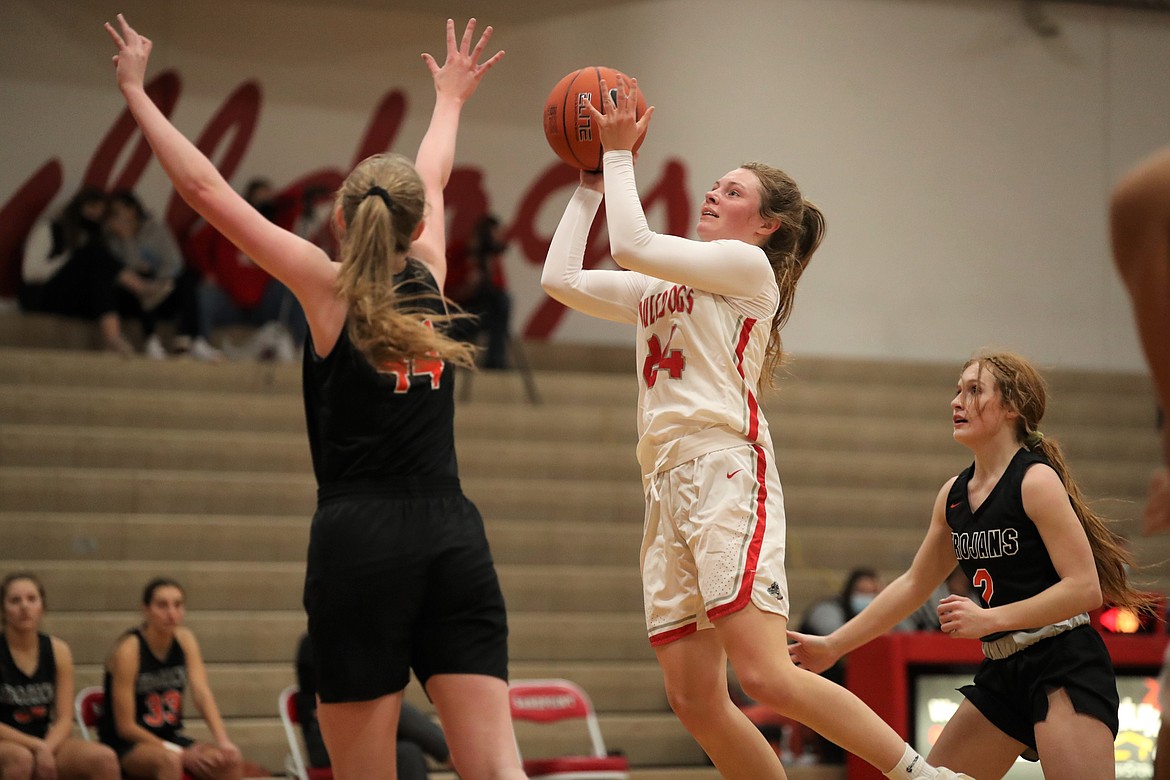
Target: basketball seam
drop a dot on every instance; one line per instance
(601, 100)
(564, 109)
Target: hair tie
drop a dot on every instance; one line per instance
(1033, 439)
(381, 193)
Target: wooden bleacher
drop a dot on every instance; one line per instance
(114, 470)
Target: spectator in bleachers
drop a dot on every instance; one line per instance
(147, 673)
(825, 616)
(36, 696)
(418, 735)
(155, 283)
(475, 278)
(69, 269)
(236, 291)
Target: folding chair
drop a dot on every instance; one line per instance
(291, 718)
(87, 709)
(552, 701)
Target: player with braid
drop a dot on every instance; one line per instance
(1040, 560)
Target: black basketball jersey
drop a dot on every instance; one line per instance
(381, 427)
(998, 545)
(26, 702)
(158, 693)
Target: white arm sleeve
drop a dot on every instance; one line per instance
(724, 267)
(607, 294)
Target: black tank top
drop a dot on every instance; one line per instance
(998, 546)
(26, 702)
(158, 693)
(381, 430)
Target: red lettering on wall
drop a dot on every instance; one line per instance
(164, 91)
(226, 139)
(17, 218)
(238, 117)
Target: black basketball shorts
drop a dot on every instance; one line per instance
(1012, 692)
(401, 582)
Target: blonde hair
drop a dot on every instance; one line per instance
(382, 202)
(1024, 390)
(789, 249)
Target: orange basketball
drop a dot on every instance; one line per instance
(568, 125)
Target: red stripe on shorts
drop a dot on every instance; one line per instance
(666, 637)
(753, 554)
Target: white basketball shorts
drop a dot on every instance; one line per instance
(713, 541)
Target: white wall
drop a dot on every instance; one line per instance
(963, 161)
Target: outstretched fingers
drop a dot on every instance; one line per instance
(644, 120)
(432, 66)
(481, 44)
(133, 52)
(461, 72)
(607, 104)
(468, 34)
(118, 40)
(485, 66)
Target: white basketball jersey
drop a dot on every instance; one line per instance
(699, 364)
(700, 353)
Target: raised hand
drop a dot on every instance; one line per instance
(133, 53)
(461, 73)
(619, 125)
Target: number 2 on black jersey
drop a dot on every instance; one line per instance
(982, 579)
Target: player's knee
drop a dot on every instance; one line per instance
(104, 763)
(689, 697)
(768, 685)
(17, 765)
(170, 766)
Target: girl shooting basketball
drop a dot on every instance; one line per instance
(392, 528)
(708, 315)
(1040, 560)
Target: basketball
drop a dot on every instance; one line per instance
(568, 125)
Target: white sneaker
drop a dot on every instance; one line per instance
(942, 773)
(201, 350)
(154, 348)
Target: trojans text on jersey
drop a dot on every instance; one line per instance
(993, 543)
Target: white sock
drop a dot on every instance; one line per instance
(911, 766)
